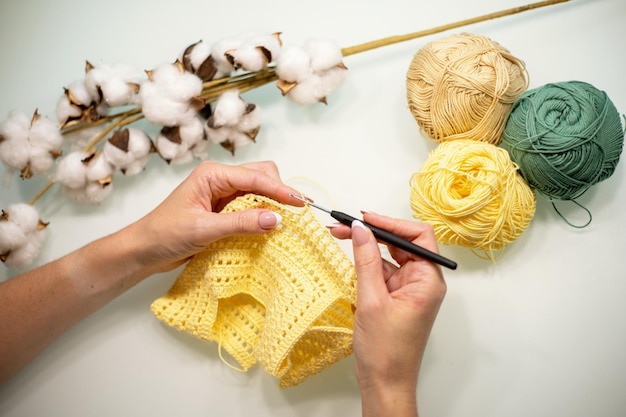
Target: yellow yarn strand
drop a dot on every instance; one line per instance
(472, 195)
(463, 87)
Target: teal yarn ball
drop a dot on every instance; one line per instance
(565, 137)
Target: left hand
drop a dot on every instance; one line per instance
(189, 219)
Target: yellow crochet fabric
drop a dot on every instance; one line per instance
(283, 298)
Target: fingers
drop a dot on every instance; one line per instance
(259, 178)
(369, 266)
(417, 232)
(245, 222)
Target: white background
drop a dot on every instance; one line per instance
(541, 332)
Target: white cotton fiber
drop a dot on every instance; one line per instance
(250, 58)
(81, 94)
(66, 110)
(95, 193)
(199, 53)
(168, 149)
(14, 154)
(15, 127)
(308, 91)
(250, 121)
(98, 169)
(324, 54)
(24, 215)
(24, 255)
(116, 156)
(166, 99)
(40, 160)
(114, 81)
(218, 51)
(293, 64)
(71, 171)
(133, 160)
(191, 132)
(228, 109)
(46, 134)
(219, 135)
(11, 236)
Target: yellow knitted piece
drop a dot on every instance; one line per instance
(283, 298)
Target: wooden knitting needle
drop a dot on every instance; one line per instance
(386, 236)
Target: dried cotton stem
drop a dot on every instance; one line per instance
(368, 46)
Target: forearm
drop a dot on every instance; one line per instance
(387, 401)
(38, 306)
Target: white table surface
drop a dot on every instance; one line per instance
(541, 332)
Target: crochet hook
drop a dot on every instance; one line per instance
(385, 236)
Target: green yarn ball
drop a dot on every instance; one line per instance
(565, 137)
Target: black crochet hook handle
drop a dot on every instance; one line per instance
(386, 236)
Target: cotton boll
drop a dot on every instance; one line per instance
(308, 91)
(198, 54)
(14, 153)
(168, 149)
(166, 97)
(23, 215)
(25, 254)
(192, 132)
(11, 236)
(228, 109)
(251, 121)
(159, 110)
(250, 58)
(95, 193)
(98, 169)
(80, 95)
(136, 166)
(201, 149)
(46, 134)
(219, 135)
(115, 82)
(218, 52)
(293, 64)
(180, 86)
(332, 79)
(128, 150)
(324, 54)
(71, 171)
(40, 160)
(91, 183)
(65, 110)
(15, 126)
(183, 158)
(116, 92)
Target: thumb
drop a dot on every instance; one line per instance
(244, 222)
(369, 265)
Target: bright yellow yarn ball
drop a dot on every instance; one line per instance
(473, 196)
(463, 87)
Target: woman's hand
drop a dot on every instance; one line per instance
(396, 308)
(187, 221)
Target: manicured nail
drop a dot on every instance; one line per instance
(360, 235)
(333, 225)
(269, 220)
(367, 212)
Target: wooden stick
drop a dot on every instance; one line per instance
(368, 46)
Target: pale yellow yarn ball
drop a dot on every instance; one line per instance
(463, 87)
(473, 195)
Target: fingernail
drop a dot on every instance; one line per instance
(333, 225)
(367, 212)
(360, 235)
(269, 220)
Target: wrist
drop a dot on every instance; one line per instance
(381, 401)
